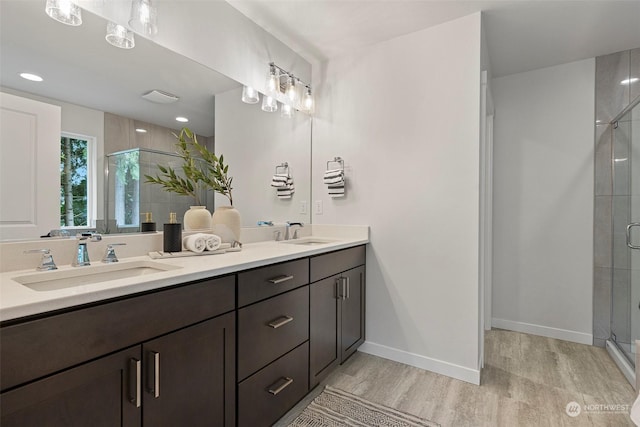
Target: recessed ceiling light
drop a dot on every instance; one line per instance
(32, 77)
(140, 130)
(182, 119)
(627, 82)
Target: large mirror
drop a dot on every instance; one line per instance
(99, 88)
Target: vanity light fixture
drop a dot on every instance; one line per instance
(119, 36)
(144, 17)
(64, 11)
(627, 82)
(31, 77)
(250, 95)
(269, 104)
(182, 119)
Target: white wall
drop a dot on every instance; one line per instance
(404, 114)
(82, 121)
(254, 150)
(543, 201)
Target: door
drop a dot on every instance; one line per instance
(99, 393)
(625, 295)
(189, 376)
(352, 312)
(324, 349)
(29, 179)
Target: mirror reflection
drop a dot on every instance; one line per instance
(103, 115)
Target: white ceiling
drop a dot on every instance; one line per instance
(521, 35)
(80, 67)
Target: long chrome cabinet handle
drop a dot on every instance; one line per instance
(287, 382)
(156, 374)
(629, 227)
(337, 288)
(281, 321)
(348, 287)
(135, 366)
(280, 279)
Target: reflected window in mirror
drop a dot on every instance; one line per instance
(78, 166)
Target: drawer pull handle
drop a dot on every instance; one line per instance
(287, 382)
(281, 321)
(280, 279)
(135, 369)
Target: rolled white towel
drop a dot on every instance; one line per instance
(195, 243)
(213, 242)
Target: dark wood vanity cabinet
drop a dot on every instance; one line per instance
(337, 309)
(235, 350)
(178, 370)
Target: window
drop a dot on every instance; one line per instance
(77, 181)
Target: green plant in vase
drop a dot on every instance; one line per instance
(201, 170)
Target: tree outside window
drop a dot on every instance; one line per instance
(73, 182)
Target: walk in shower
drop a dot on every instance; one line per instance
(625, 295)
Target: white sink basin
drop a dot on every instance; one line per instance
(62, 279)
(308, 241)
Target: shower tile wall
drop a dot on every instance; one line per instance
(611, 98)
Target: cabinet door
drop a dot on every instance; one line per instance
(99, 393)
(189, 376)
(324, 350)
(352, 312)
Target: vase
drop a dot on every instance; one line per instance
(197, 218)
(226, 223)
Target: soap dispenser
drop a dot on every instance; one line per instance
(172, 238)
(148, 224)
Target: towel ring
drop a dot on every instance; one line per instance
(338, 160)
(284, 166)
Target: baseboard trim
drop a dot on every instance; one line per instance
(544, 331)
(434, 365)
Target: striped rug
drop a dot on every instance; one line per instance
(335, 407)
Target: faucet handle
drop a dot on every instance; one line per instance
(277, 235)
(110, 253)
(46, 262)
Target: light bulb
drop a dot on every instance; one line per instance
(273, 81)
(250, 95)
(269, 104)
(64, 11)
(287, 111)
(291, 90)
(307, 101)
(144, 17)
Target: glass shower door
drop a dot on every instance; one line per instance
(625, 296)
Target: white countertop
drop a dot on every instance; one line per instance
(17, 300)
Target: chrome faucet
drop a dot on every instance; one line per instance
(110, 253)
(46, 261)
(82, 254)
(287, 233)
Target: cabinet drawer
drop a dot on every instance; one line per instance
(336, 262)
(265, 282)
(271, 328)
(270, 393)
(40, 347)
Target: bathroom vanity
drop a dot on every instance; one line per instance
(237, 348)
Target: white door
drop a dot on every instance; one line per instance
(29, 167)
